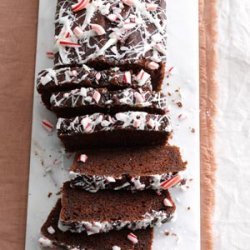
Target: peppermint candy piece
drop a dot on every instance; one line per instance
(47, 125)
(98, 29)
(82, 4)
(171, 182)
(133, 238)
(96, 96)
(127, 77)
(50, 54)
(82, 158)
(67, 43)
(151, 7)
(128, 2)
(153, 65)
(167, 203)
(78, 32)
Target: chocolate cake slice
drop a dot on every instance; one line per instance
(88, 101)
(121, 129)
(53, 237)
(104, 34)
(136, 168)
(69, 78)
(109, 210)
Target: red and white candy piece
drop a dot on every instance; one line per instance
(67, 34)
(136, 123)
(139, 99)
(78, 32)
(50, 54)
(171, 182)
(133, 238)
(47, 125)
(112, 17)
(82, 158)
(151, 6)
(128, 2)
(142, 77)
(129, 26)
(86, 123)
(167, 203)
(98, 76)
(82, 4)
(96, 96)
(127, 77)
(150, 123)
(160, 48)
(68, 43)
(153, 65)
(98, 29)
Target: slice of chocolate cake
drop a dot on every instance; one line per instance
(53, 237)
(137, 168)
(109, 210)
(88, 101)
(69, 78)
(121, 129)
(103, 34)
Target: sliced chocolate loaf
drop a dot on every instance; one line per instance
(137, 168)
(104, 34)
(121, 129)
(88, 101)
(109, 210)
(69, 78)
(53, 237)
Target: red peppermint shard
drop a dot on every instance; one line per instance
(82, 4)
(82, 158)
(50, 54)
(67, 43)
(47, 125)
(171, 182)
(133, 238)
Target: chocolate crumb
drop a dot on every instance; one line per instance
(192, 130)
(59, 192)
(169, 94)
(49, 194)
(167, 233)
(188, 208)
(179, 104)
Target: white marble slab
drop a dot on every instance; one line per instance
(48, 165)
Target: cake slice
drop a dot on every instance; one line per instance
(121, 129)
(69, 78)
(104, 34)
(53, 237)
(109, 210)
(136, 168)
(88, 101)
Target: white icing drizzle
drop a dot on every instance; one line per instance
(124, 120)
(134, 21)
(129, 97)
(151, 219)
(94, 183)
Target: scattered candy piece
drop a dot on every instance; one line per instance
(67, 43)
(160, 48)
(82, 4)
(150, 123)
(50, 54)
(98, 29)
(128, 2)
(167, 202)
(136, 123)
(116, 248)
(142, 77)
(153, 65)
(133, 238)
(112, 17)
(127, 77)
(171, 182)
(138, 98)
(129, 26)
(151, 7)
(98, 76)
(78, 32)
(51, 230)
(47, 125)
(111, 179)
(96, 96)
(82, 158)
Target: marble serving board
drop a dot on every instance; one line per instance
(49, 164)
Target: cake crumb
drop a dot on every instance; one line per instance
(188, 208)
(167, 233)
(179, 104)
(192, 130)
(49, 194)
(59, 192)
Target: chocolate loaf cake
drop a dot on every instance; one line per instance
(53, 237)
(69, 78)
(104, 34)
(109, 210)
(137, 168)
(121, 129)
(88, 101)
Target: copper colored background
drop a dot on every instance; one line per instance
(18, 22)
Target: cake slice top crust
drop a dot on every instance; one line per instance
(111, 31)
(103, 241)
(135, 161)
